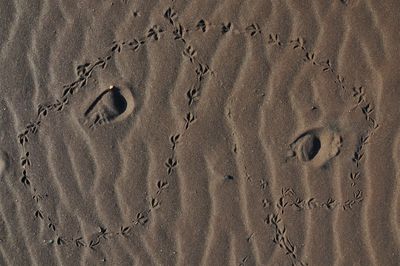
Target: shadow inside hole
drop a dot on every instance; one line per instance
(113, 96)
(118, 100)
(311, 148)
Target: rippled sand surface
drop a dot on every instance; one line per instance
(199, 132)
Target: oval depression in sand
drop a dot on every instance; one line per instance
(317, 146)
(112, 105)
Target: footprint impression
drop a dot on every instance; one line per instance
(316, 146)
(112, 105)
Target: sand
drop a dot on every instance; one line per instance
(199, 132)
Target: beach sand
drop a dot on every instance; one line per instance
(199, 132)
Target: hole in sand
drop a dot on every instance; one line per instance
(316, 145)
(113, 104)
(118, 102)
(311, 147)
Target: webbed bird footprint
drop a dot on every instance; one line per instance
(112, 105)
(317, 146)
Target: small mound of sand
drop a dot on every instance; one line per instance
(4, 163)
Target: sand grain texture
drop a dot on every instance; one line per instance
(199, 132)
